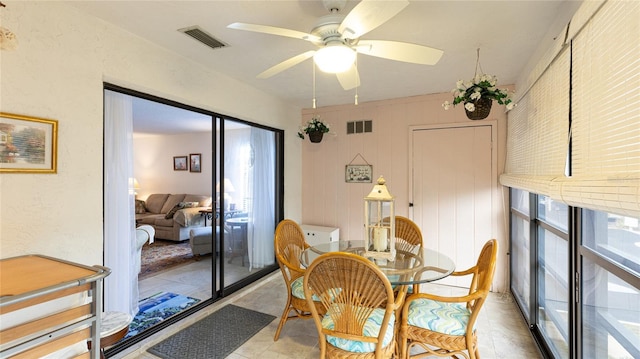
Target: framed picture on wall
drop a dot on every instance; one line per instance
(28, 144)
(180, 163)
(358, 173)
(194, 162)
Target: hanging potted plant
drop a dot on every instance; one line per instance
(478, 95)
(315, 129)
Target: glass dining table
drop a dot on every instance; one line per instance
(407, 268)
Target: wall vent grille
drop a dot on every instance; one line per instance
(363, 126)
(201, 36)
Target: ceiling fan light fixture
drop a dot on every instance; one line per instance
(334, 58)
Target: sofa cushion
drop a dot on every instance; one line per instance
(203, 201)
(172, 200)
(180, 206)
(189, 217)
(161, 221)
(148, 218)
(140, 207)
(155, 202)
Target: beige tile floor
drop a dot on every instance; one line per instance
(502, 331)
(193, 280)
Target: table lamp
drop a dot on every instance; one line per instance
(228, 187)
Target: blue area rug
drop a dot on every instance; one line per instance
(157, 308)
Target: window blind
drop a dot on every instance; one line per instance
(582, 16)
(528, 80)
(606, 112)
(537, 133)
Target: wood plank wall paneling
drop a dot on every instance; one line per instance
(328, 201)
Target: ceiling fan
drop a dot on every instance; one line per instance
(338, 37)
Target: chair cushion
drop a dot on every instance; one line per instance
(297, 289)
(441, 317)
(371, 329)
(298, 292)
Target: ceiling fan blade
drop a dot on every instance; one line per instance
(349, 79)
(400, 51)
(272, 30)
(368, 15)
(286, 64)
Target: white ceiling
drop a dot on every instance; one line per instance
(507, 33)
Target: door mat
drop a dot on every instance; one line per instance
(156, 308)
(215, 336)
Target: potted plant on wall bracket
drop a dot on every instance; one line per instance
(478, 94)
(315, 129)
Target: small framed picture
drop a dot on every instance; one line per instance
(28, 144)
(180, 163)
(194, 162)
(358, 173)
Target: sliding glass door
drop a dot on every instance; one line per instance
(246, 199)
(204, 250)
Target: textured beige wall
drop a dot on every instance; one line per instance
(57, 71)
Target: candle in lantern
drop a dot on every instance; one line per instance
(380, 239)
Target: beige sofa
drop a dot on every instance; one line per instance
(172, 215)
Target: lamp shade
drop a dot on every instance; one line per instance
(334, 58)
(228, 186)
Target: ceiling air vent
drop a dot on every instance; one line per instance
(198, 34)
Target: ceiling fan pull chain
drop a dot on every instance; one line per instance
(355, 64)
(314, 83)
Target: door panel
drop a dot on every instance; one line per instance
(452, 187)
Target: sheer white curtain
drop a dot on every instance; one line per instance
(237, 162)
(262, 211)
(121, 287)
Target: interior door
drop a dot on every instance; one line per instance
(451, 191)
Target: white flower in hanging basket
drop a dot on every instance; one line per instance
(480, 87)
(315, 125)
(478, 94)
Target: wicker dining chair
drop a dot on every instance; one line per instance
(408, 239)
(408, 235)
(289, 244)
(360, 306)
(445, 326)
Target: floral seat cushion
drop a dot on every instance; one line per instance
(441, 317)
(371, 329)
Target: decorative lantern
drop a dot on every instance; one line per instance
(380, 223)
